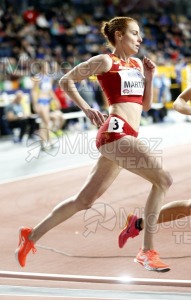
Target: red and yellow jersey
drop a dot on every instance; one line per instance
(124, 82)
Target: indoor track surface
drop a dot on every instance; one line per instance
(80, 258)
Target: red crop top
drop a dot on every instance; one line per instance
(124, 82)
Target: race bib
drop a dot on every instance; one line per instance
(132, 82)
(115, 125)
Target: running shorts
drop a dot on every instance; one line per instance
(113, 129)
(44, 101)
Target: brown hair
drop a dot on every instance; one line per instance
(116, 24)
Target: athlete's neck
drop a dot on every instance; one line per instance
(122, 57)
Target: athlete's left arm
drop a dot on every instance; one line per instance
(148, 69)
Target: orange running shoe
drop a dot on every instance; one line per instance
(25, 246)
(151, 261)
(128, 231)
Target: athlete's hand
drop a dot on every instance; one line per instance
(149, 68)
(95, 116)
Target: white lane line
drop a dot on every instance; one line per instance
(96, 279)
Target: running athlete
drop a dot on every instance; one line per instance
(127, 84)
(42, 95)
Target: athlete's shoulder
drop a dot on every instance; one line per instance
(104, 58)
(104, 62)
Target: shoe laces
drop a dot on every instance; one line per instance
(34, 249)
(152, 254)
(30, 246)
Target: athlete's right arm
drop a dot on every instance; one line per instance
(181, 103)
(96, 65)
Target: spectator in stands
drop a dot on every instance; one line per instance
(67, 105)
(63, 98)
(65, 37)
(56, 117)
(18, 118)
(162, 95)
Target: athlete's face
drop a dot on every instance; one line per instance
(131, 40)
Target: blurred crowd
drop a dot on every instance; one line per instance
(71, 31)
(68, 32)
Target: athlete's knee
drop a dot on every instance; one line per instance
(168, 179)
(164, 180)
(84, 203)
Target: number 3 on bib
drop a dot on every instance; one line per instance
(115, 125)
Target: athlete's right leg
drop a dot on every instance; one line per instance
(130, 155)
(100, 178)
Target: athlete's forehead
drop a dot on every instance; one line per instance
(133, 26)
